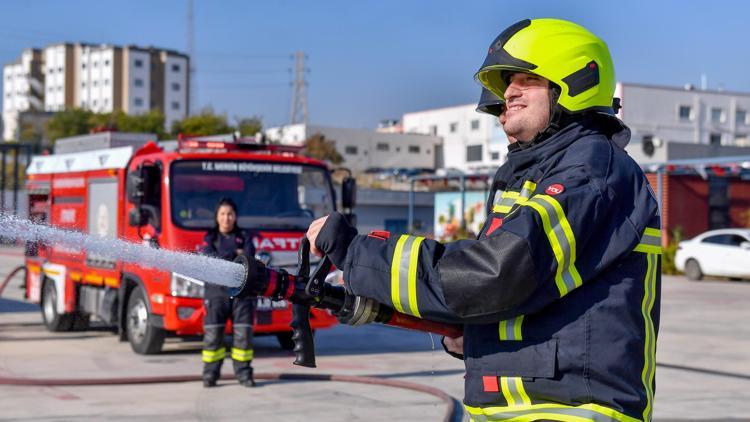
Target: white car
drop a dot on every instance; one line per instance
(724, 253)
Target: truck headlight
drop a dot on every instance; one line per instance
(183, 287)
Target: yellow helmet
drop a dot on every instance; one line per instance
(566, 54)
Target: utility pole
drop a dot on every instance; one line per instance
(299, 93)
(191, 60)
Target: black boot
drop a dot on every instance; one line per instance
(249, 381)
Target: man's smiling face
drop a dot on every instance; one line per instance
(527, 106)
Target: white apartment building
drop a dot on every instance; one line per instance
(472, 141)
(100, 78)
(364, 149)
(662, 115)
(23, 89)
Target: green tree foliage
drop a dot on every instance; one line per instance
(318, 147)
(77, 121)
(667, 258)
(249, 126)
(150, 122)
(70, 122)
(205, 123)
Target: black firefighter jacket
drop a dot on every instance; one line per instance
(225, 246)
(559, 294)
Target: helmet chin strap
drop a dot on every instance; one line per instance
(558, 119)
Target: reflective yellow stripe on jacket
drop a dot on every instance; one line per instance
(650, 244)
(510, 198)
(547, 411)
(214, 355)
(510, 329)
(404, 274)
(561, 239)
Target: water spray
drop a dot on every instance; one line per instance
(193, 266)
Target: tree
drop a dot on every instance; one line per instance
(70, 122)
(318, 147)
(249, 126)
(205, 123)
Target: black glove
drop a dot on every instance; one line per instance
(335, 237)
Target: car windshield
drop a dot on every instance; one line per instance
(268, 195)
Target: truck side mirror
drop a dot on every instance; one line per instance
(134, 185)
(348, 193)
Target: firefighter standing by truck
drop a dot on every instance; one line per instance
(559, 294)
(226, 240)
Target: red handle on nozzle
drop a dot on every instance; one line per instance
(413, 323)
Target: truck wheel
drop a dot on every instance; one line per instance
(693, 270)
(145, 339)
(53, 320)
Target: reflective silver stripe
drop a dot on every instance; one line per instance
(528, 189)
(545, 414)
(510, 329)
(649, 352)
(558, 238)
(548, 411)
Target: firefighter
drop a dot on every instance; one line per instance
(226, 240)
(559, 294)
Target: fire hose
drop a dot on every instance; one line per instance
(305, 291)
(304, 349)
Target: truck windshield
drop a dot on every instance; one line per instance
(268, 195)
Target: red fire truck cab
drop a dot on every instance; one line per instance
(165, 195)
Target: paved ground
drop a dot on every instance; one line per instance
(703, 370)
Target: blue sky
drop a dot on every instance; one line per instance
(373, 60)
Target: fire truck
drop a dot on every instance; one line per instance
(164, 195)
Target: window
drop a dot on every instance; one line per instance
(175, 68)
(725, 239)
(474, 153)
(715, 139)
(685, 112)
(94, 103)
(717, 115)
(94, 64)
(382, 146)
(138, 82)
(433, 130)
(83, 85)
(106, 82)
(83, 103)
(95, 83)
(414, 149)
(475, 124)
(453, 127)
(59, 70)
(350, 150)
(741, 116)
(175, 105)
(138, 101)
(175, 86)
(494, 156)
(138, 63)
(741, 139)
(83, 65)
(106, 63)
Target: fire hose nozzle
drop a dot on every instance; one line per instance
(255, 279)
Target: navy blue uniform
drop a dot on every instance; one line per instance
(220, 307)
(559, 294)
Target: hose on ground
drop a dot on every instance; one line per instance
(9, 277)
(452, 413)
